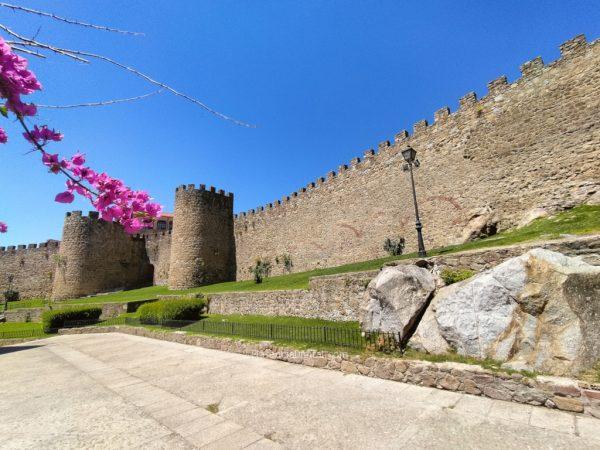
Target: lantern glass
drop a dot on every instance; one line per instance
(409, 154)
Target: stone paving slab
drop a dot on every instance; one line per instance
(122, 391)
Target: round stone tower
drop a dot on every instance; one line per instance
(202, 243)
(70, 263)
(97, 256)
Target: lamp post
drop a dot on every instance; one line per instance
(410, 155)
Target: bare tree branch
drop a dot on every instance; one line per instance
(69, 21)
(162, 85)
(78, 56)
(103, 103)
(26, 42)
(29, 52)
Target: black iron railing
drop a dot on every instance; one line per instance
(22, 334)
(324, 335)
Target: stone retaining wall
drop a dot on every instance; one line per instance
(552, 392)
(335, 297)
(338, 297)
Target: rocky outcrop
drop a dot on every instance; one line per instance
(482, 223)
(427, 337)
(531, 215)
(396, 298)
(539, 311)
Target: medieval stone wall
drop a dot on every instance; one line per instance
(339, 297)
(534, 142)
(158, 248)
(202, 244)
(98, 256)
(31, 268)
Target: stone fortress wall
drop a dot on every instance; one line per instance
(158, 248)
(31, 266)
(533, 142)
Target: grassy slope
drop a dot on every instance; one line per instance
(281, 320)
(583, 219)
(19, 326)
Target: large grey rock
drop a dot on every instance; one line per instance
(395, 299)
(539, 311)
(427, 337)
(482, 223)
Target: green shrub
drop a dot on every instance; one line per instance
(11, 295)
(54, 319)
(451, 276)
(176, 309)
(394, 247)
(261, 270)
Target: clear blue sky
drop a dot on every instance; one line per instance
(322, 80)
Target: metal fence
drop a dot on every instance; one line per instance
(22, 334)
(323, 335)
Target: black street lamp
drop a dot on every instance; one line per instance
(410, 155)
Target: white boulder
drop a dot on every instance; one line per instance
(539, 311)
(396, 298)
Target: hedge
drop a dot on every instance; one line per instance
(54, 319)
(171, 309)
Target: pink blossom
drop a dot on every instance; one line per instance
(42, 135)
(3, 136)
(133, 226)
(110, 196)
(51, 160)
(78, 159)
(16, 80)
(64, 197)
(3, 227)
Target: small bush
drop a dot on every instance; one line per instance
(451, 276)
(176, 309)
(394, 247)
(287, 263)
(52, 320)
(260, 270)
(11, 295)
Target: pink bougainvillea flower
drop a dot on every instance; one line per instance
(3, 227)
(111, 197)
(51, 161)
(42, 135)
(154, 209)
(78, 159)
(133, 226)
(3, 136)
(64, 197)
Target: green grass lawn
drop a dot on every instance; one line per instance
(19, 326)
(280, 320)
(581, 220)
(15, 330)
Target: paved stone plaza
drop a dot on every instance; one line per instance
(122, 391)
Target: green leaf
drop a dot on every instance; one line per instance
(4, 111)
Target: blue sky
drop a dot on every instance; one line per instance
(321, 80)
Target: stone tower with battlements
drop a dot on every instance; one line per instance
(97, 256)
(202, 243)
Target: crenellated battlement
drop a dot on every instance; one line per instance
(202, 188)
(468, 105)
(21, 248)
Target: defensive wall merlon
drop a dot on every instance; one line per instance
(93, 217)
(220, 196)
(468, 105)
(51, 244)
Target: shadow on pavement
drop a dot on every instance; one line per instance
(16, 348)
